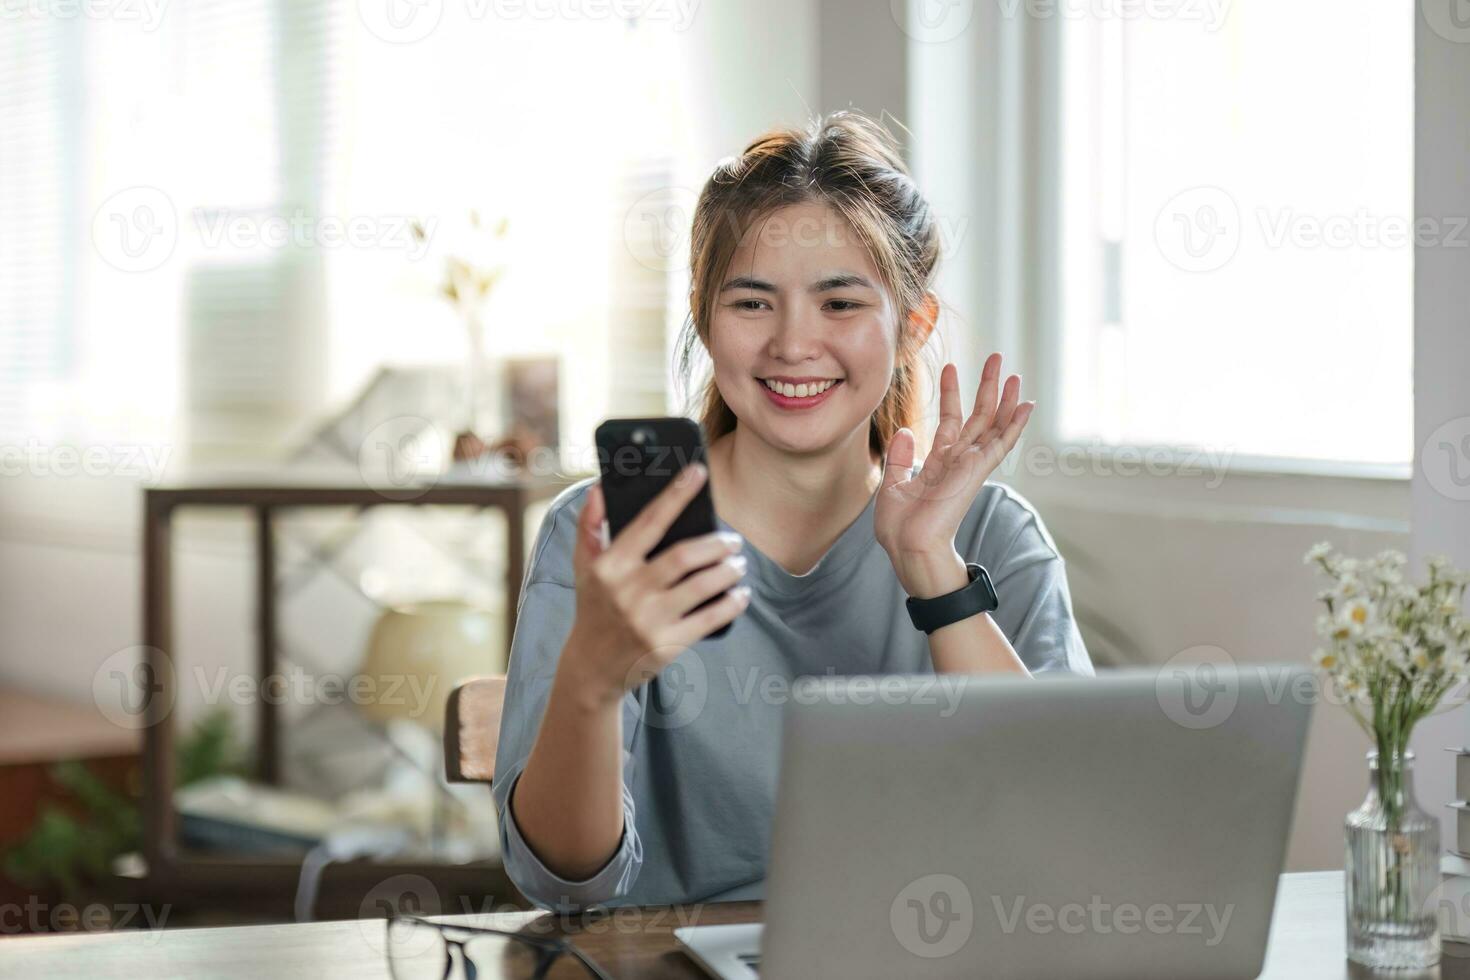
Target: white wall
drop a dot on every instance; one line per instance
(747, 67)
(1441, 484)
(862, 59)
(71, 587)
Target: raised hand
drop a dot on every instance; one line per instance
(915, 519)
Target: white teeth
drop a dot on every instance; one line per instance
(799, 391)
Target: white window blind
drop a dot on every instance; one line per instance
(39, 119)
(638, 357)
(227, 115)
(131, 153)
(260, 81)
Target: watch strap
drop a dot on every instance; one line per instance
(977, 597)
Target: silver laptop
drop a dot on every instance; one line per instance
(1128, 825)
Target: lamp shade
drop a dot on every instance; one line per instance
(419, 651)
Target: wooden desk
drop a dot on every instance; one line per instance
(1307, 943)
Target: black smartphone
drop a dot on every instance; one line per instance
(638, 458)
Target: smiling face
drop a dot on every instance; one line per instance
(803, 335)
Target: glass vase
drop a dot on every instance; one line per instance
(1392, 872)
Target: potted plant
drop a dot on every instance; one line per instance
(71, 849)
(1392, 650)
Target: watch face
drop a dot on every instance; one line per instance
(990, 595)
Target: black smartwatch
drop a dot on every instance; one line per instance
(977, 597)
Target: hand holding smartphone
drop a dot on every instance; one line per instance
(640, 459)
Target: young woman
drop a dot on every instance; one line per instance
(637, 761)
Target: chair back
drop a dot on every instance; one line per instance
(472, 729)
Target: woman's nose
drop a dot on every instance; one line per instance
(796, 337)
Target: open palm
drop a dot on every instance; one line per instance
(919, 515)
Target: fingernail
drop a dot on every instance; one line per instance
(732, 540)
(739, 561)
(741, 594)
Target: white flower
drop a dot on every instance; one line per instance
(1384, 638)
(1354, 617)
(1418, 656)
(1317, 552)
(1378, 631)
(1388, 575)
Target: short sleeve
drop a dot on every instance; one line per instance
(1030, 578)
(543, 622)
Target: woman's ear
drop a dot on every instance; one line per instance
(923, 319)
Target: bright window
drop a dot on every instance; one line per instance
(1237, 250)
(204, 235)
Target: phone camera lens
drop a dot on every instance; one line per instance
(642, 436)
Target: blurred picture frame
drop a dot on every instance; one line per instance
(532, 406)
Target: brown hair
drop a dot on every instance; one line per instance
(850, 163)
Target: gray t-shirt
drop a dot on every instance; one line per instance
(701, 740)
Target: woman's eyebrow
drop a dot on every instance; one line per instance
(842, 280)
(748, 282)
